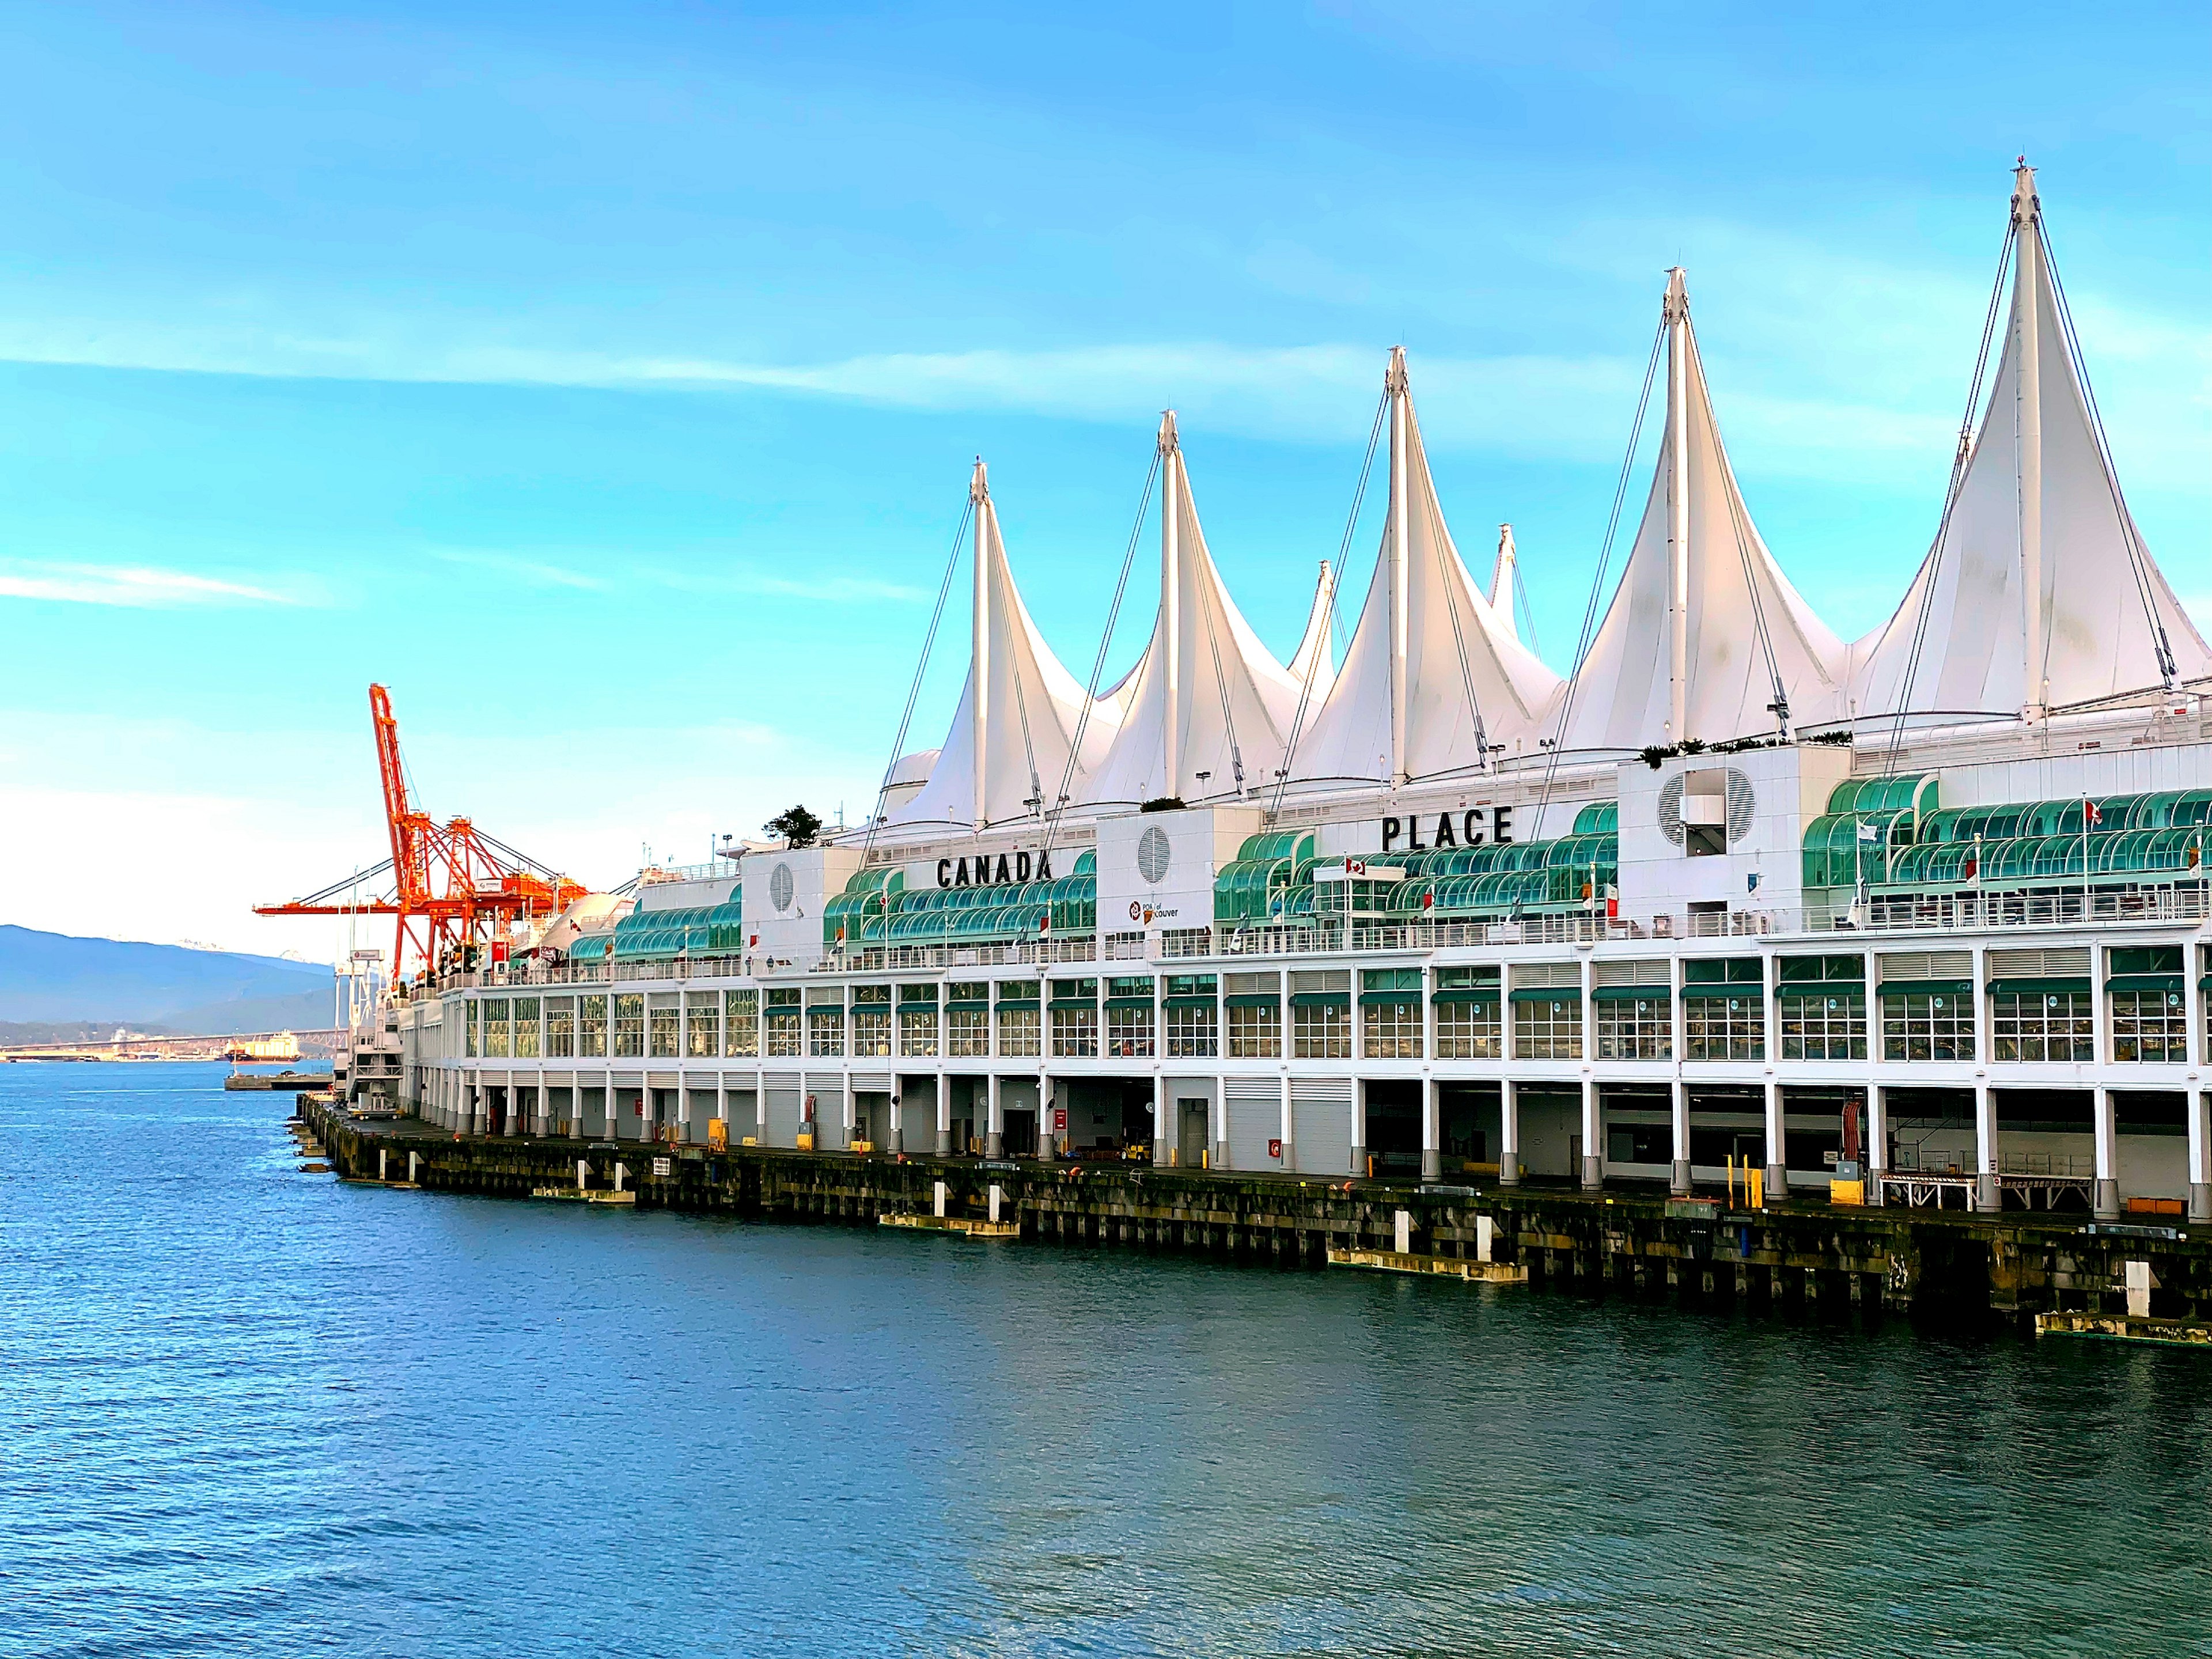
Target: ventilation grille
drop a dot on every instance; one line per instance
(1547, 976)
(1308, 983)
(1927, 964)
(1631, 973)
(2067, 962)
(1251, 985)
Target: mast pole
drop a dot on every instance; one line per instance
(1676, 312)
(2027, 272)
(1171, 606)
(979, 496)
(1394, 384)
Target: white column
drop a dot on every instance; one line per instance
(1395, 385)
(2108, 1157)
(1218, 1109)
(1679, 1182)
(2029, 257)
(2200, 1155)
(944, 1116)
(1432, 1153)
(1987, 1197)
(1509, 1135)
(1047, 1144)
(995, 1121)
(1777, 1164)
(1877, 1146)
(1289, 1147)
(1676, 312)
(1593, 1137)
(1167, 1138)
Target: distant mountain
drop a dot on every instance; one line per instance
(55, 977)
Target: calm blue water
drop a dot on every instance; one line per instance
(244, 1410)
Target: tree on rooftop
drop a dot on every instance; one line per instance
(796, 825)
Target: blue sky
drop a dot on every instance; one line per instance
(605, 379)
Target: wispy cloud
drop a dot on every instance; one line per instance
(531, 570)
(142, 587)
(727, 579)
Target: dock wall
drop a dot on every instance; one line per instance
(1836, 1260)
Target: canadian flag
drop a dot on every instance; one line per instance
(2091, 817)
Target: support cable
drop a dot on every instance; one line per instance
(1597, 578)
(1934, 564)
(913, 692)
(1058, 807)
(1335, 594)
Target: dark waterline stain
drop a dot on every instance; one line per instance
(249, 1410)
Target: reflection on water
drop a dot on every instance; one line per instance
(250, 1411)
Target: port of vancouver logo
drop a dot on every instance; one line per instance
(1472, 828)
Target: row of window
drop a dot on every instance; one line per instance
(2147, 1026)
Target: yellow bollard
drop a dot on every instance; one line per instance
(1755, 1181)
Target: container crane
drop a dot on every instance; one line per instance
(453, 888)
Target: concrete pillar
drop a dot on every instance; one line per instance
(1593, 1138)
(1679, 1177)
(2108, 1158)
(2200, 1155)
(1218, 1113)
(894, 1137)
(1509, 1135)
(1777, 1165)
(945, 1117)
(1289, 1148)
(1877, 1146)
(994, 1121)
(1987, 1197)
(1048, 1142)
(1166, 1137)
(1358, 1111)
(1432, 1144)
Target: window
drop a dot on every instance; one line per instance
(1392, 1030)
(1322, 1029)
(918, 1029)
(474, 1045)
(825, 1032)
(592, 1029)
(780, 1032)
(1548, 1026)
(1927, 1025)
(496, 1035)
(629, 1026)
(701, 1039)
(1075, 1030)
(2150, 1026)
(664, 1014)
(871, 1031)
(1829, 1025)
(560, 1028)
(1129, 1017)
(1724, 1027)
(1019, 1036)
(1255, 1029)
(1193, 1030)
(525, 1028)
(967, 1032)
(1640, 1027)
(741, 1023)
(1469, 1030)
(2043, 1025)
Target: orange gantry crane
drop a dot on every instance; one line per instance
(453, 889)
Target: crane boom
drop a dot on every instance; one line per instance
(453, 887)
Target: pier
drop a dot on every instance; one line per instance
(1952, 1266)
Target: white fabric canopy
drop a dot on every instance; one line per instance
(1009, 743)
(1316, 656)
(1501, 582)
(1428, 652)
(2036, 494)
(1625, 694)
(1207, 699)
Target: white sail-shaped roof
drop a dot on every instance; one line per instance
(2038, 593)
(1315, 657)
(1205, 714)
(1430, 663)
(1501, 582)
(1703, 621)
(1020, 711)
